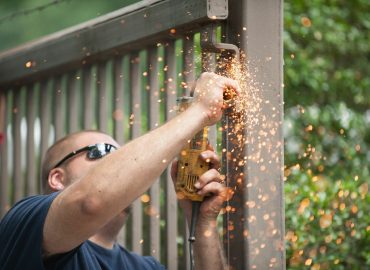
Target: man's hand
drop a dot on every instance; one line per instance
(211, 185)
(208, 94)
(208, 252)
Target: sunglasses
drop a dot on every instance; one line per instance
(94, 151)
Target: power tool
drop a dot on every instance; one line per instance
(190, 166)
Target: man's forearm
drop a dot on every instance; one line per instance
(208, 251)
(127, 173)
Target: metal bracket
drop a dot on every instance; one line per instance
(208, 43)
(217, 9)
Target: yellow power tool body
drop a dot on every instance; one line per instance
(190, 165)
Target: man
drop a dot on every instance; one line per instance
(90, 186)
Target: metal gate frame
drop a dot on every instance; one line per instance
(255, 230)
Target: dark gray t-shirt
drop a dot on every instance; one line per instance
(21, 244)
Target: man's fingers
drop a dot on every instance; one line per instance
(231, 84)
(212, 158)
(210, 147)
(211, 175)
(174, 170)
(214, 188)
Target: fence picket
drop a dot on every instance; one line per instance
(135, 119)
(17, 146)
(31, 180)
(154, 207)
(4, 177)
(45, 101)
(171, 201)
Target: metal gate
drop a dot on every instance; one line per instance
(121, 73)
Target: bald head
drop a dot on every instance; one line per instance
(60, 149)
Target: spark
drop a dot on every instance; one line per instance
(306, 22)
(118, 115)
(309, 128)
(303, 205)
(151, 211)
(207, 233)
(342, 206)
(353, 195)
(308, 262)
(358, 148)
(145, 198)
(364, 189)
(325, 221)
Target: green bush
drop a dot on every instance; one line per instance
(327, 134)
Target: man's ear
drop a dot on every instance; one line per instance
(56, 179)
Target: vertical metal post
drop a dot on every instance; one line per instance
(88, 102)
(171, 201)
(102, 96)
(73, 102)
(209, 65)
(188, 73)
(59, 113)
(17, 146)
(31, 182)
(188, 79)
(135, 79)
(256, 223)
(118, 116)
(45, 119)
(118, 100)
(153, 116)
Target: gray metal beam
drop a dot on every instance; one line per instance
(135, 26)
(255, 239)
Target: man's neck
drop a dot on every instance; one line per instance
(107, 235)
(103, 241)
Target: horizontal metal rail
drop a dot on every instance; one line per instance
(124, 30)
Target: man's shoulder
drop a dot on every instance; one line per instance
(21, 233)
(28, 206)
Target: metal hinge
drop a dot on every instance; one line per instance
(217, 9)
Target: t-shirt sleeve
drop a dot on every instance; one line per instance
(154, 263)
(21, 232)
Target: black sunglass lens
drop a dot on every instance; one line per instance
(95, 153)
(100, 150)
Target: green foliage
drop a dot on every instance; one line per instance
(327, 134)
(29, 26)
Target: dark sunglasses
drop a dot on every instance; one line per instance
(94, 151)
